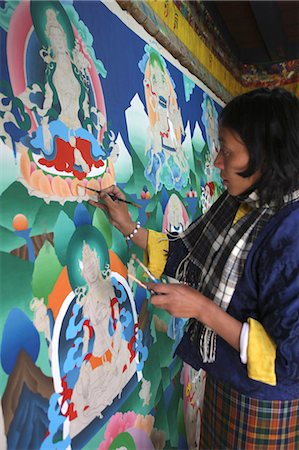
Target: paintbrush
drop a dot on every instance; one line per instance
(113, 197)
(146, 270)
(141, 284)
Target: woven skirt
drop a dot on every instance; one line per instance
(232, 421)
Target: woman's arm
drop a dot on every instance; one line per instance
(183, 301)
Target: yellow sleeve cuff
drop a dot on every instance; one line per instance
(157, 249)
(261, 354)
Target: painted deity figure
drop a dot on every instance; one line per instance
(67, 86)
(41, 320)
(210, 121)
(108, 362)
(212, 180)
(194, 386)
(207, 196)
(69, 124)
(175, 219)
(167, 163)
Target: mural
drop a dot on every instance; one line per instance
(86, 360)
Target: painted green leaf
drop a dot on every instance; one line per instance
(9, 240)
(152, 204)
(159, 217)
(15, 285)
(46, 271)
(22, 204)
(101, 222)
(156, 218)
(136, 182)
(123, 440)
(63, 232)
(45, 219)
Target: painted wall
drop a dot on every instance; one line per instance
(89, 100)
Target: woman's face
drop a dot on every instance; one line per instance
(232, 159)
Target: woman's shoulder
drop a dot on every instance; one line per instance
(281, 234)
(285, 222)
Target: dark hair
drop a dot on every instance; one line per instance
(267, 120)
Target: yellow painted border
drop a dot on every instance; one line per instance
(167, 11)
(172, 17)
(293, 87)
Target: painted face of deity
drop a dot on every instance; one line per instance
(211, 129)
(158, 80)
(55, 34)
(91, 267)
(57, 40)
(210, 111)
(232, 159)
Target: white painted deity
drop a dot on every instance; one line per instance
(66, 84)
(176, 219)
(145, 392)
(41, 319)
(211, 128)
(107, 370)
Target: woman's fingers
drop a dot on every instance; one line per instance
(158, 288)
(106, 201)
(176, 298)
(161, 296)
(168, 288)
(107, 198)
(117, 212)
(98, 205)
(112, 191)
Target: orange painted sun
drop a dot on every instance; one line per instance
(20, 222)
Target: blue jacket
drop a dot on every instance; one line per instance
(268, 291)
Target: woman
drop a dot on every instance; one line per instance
(239, 270)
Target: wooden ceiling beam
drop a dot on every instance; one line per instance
(269, 22)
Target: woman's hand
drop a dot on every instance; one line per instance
(119, 216)
(183, 301)
(117, 212)
(179, 300)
